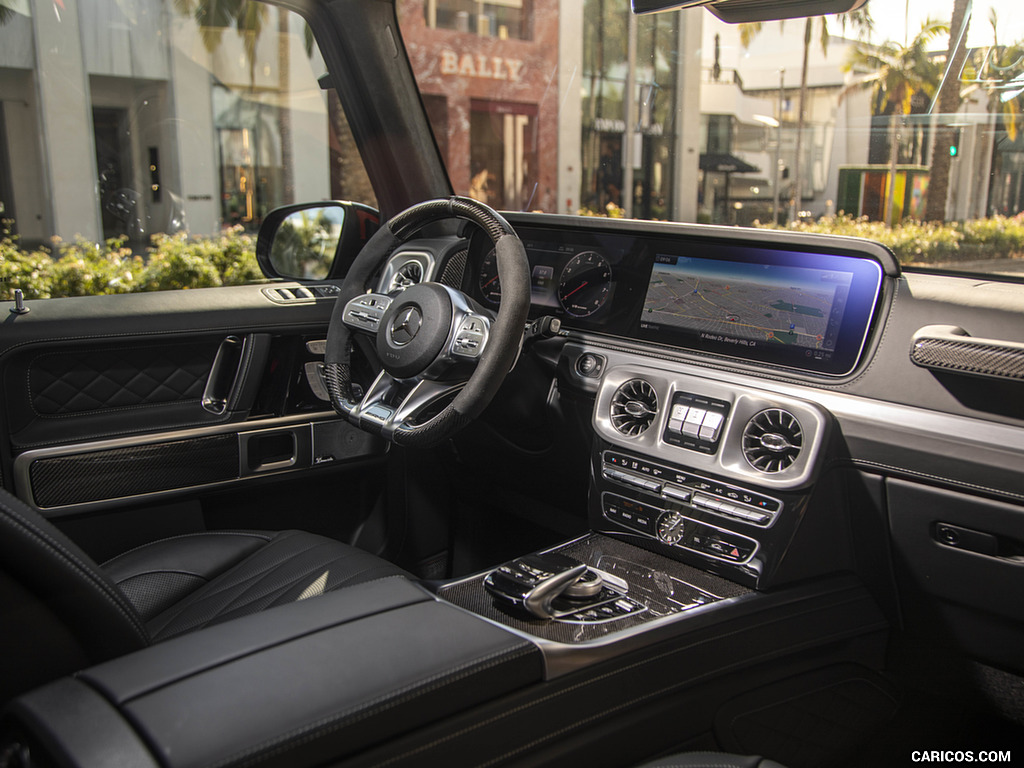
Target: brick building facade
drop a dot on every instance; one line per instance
(480, 68)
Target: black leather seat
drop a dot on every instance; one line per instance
(61, 611)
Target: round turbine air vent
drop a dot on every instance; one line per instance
(772, 440)
(634, 406)
(406, 276)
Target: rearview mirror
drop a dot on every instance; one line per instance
(313, 241)
(746, 11)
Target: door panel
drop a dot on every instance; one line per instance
(171, 394)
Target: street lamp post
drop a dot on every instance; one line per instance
(778, 150)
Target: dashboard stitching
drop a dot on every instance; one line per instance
(313, 324)
(937, 478)
(886, 326)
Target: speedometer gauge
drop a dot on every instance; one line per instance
(490, 286)
(584, 284)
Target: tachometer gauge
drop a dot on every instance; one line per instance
(584, 284)
(490, 286)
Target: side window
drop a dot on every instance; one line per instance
(141, 144)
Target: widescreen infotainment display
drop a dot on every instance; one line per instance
(802, 310)
(761, 304)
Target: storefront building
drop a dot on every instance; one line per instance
(484, 69)
(205, 128)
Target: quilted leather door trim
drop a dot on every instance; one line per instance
(68, 383)
(68, 394)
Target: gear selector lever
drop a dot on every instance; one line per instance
(532, 583)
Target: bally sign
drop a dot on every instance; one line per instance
(489, 67)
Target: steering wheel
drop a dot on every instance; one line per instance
(432, 340)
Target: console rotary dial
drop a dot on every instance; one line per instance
(671, 527)
(584, 284)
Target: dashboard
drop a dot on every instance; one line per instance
(704, 468)
(783, 301)
(710, 472)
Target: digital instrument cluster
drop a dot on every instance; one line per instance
(788, 304)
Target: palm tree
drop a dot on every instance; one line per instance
(949, 105)
(863, 23)
(11, 8)
(897, 73)
(214, 16)
(1000, 71)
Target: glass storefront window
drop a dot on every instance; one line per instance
(196, 133)
(503, 19)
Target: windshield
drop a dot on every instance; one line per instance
(897, 122)
(142, 142)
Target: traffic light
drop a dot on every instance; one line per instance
(954, 148)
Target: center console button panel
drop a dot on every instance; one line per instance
(676, 486)
(674, 528)
(695, 422)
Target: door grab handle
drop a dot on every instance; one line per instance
(223, 375)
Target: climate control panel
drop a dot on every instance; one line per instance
(684, 487)
(677, 530)
(738, 531)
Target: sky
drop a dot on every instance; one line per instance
(889, 23)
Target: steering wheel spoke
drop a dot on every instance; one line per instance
(391, 405)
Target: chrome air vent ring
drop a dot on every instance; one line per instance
(634, 407)
(772, 440)
(406, 276)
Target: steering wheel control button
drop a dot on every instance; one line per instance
(471, 337)
(365, 312)
(696, 422)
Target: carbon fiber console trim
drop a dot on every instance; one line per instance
(598, 551)
(948, 348)
(81, 478)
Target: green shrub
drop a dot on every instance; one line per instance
(28, 270)
(917, 243)
(86, 269)
(82, 268)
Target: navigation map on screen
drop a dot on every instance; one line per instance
(725, 300)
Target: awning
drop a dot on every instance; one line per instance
(724, 163)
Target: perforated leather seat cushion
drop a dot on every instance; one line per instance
(188, 582)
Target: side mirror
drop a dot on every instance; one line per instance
(314, 241)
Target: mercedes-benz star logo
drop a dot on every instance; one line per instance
(405, 326)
